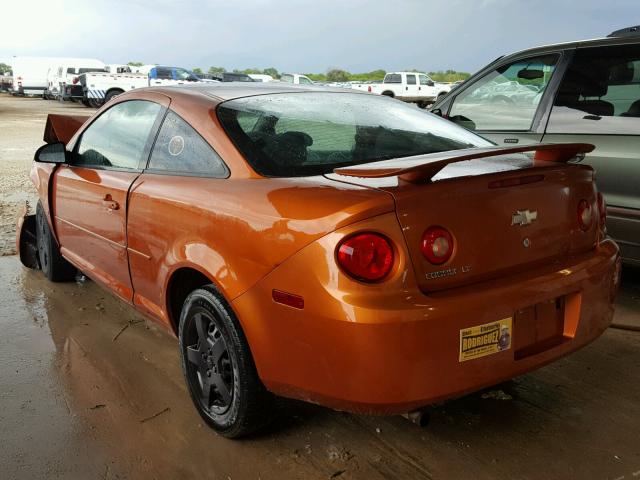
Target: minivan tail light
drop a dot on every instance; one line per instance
(437, 245)
(585, 215)
(367, 257)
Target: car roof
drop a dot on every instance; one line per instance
(229, 90)
(595, 42)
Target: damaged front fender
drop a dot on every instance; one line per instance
(26, 240)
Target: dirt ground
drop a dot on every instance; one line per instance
(89, 389)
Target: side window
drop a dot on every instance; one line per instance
(180, 149)
(71, 70)
(305, 81)
(287, 78)
(411, 79)
(506, 98)
(118, 138)
(424, 80)
(164, 73)
(392, 78)
(600, 93)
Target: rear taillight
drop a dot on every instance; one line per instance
(369, 89)
(437, 245)
(585, 215)
(602, 210)
(366, 256)
(75, 80)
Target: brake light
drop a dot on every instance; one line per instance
(585, 215)
(602, 210)
(369, 89)
(367, 257)
(437, 245)
(75, 80)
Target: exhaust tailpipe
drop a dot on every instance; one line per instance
(419, 417)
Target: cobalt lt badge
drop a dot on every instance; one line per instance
(524, 217)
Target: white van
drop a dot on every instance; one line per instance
(30, 74)
(67, 72)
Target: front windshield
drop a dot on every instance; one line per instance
(311, 133)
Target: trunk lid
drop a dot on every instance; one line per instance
(506, 214)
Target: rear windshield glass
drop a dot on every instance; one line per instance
(311, 133)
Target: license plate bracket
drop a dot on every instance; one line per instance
(538, 327)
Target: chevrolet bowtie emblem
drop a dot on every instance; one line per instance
(524, 217)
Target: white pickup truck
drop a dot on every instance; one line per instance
(411, 87)
(102, 87)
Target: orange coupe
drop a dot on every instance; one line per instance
(336, 247)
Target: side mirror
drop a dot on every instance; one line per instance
(430, 83)
(51, 153)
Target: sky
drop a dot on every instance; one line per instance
(304, 36)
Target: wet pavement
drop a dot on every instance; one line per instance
(89, 389)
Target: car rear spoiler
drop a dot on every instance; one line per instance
(425, 167)
(60, 128)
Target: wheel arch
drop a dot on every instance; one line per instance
(388, 93)
(183, 280)
(114, 89)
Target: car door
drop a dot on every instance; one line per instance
(90, 193)
(424, 89)
(161, 76)
(411, 87)
(598, 102)
(506, 104)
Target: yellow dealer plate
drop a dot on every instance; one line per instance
(482, 340)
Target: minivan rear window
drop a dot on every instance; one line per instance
(311, 133)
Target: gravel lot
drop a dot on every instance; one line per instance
(89, 389)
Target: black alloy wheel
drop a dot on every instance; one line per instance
(210, 370)
(221, 376)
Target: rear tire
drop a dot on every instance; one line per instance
(54, 267)
(112, 94)
(218, 367)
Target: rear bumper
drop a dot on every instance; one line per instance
(401, 351)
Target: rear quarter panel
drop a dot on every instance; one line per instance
(234, 231)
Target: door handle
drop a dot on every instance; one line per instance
(110, 203)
